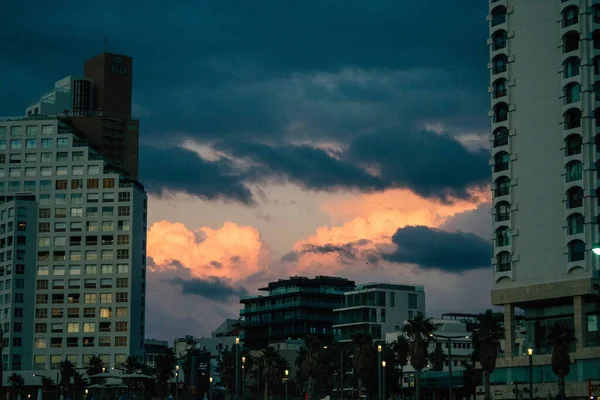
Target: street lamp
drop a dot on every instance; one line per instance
(243, 376)
(383, 384)
(286, 383)
(449, 339)
(237, 367)
(341, 350)
(379, 349)
(210, 388)
(596, 249)
(530, 355)
(176, 382)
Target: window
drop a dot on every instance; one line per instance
(502, 236)
(105, 312)
(77, 184)
(77, 170)
(124, 197)
(123, 225)
(501, 161)
(89, 327)
(41, 299)
(16, 130)
(41, 313)
(571, 67)
(570, 16)
(108, 183)
(570, 41)
(93, 169)
(106, 298)
(574, 171)
(121, 326)
(89, 298)
(572, 93)
(498, 15)
(122, 297)
(108, 226)
(61, 171)
(104, 341)
(76, 212)
(77, 156)
(122, 254)
(72, 327)
(60, 184)
(46, 144)
(31, 130)
(573, 145)
(502, 211)
(106, 254)
(62, 142)
(76, 226)
(502, 186)
(122, 312)
(575, 197)
(108, 211)
(108, 197)
(122, 283)
(47, 129)
(499, 88)
(500, 112)
(92, 211)
(499, 64)
(576, 250)
(575, 224)
(92, 226)
(60, 227)
(41, 284)
(124, 211)
(500, 137)
(122, 269)
(72, 341)
(503, 261)
(16, 144)
(572, 118)
(122, 239)
(60, 213)
(40, 343)
(412, 300)
(121, 341)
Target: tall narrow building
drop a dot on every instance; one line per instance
(72, 237)
(545, 116)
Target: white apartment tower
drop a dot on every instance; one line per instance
(72, 249)
(545, 116)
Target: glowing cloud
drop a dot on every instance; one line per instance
(232, 252)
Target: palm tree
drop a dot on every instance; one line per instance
(226, 366)
(313, 363)
(16, 382)
(487, 340)
(437, 358)
(561, 337)
(47, 384)
(274, 366)
(418, 330)
(401, 349)
(131, 365)
(165, 370)
(363, 349)
(67, 370)
(95, 365)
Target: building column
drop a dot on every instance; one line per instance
(579, 320)
(509, 328)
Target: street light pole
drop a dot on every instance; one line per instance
(210, 388)
(341, 373)
(176, 382)
(530, 354)
(286, 383)
(237, 367)
(379, 349)
(449, 339)
(243, 376)
(383, 382)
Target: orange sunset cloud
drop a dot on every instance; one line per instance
(370, 220)
(233, 252)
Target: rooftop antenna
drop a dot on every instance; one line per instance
(105, 41)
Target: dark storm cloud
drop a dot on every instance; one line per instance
(206, 68)
(435, 249)
(430, 164)
(346, 252)
(213, 288)
(180, 170)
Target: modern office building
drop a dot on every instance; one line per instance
(545, 117)
(72, 248)
(292, 309)
(376, 309)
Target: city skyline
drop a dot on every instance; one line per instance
(329, 144)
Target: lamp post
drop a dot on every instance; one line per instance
(237, 367)
(243, 376)
(341, 393)
(383, 380)
(286, 383)
(379, 366)
(530, 355)
(210, 388)
(177, 382)
(449, 341)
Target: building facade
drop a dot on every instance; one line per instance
(376, 309)
(72, 248)
(545, 117)
(293, 309)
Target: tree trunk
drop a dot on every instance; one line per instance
(359, 384)
(311, 388)
(266, 396)
(417, 385)
(486, 385)
(561, 387)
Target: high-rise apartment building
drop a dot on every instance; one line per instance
(545, 115)
(72, 246)
(98, 107)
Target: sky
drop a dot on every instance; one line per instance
(279, 138)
